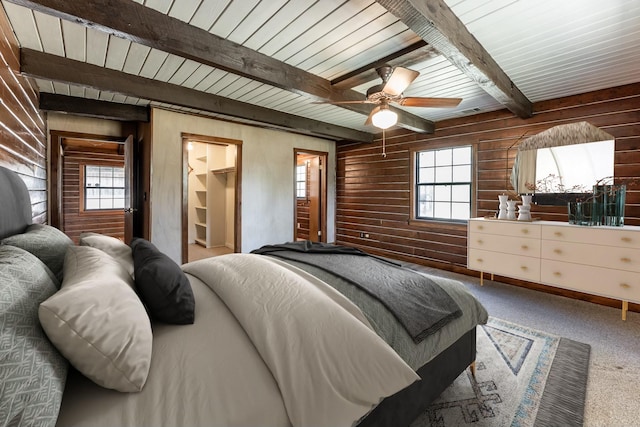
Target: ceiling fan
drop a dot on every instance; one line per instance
(394, 81)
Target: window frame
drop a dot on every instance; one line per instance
(414, 192)
(82, 189)
(304, 165)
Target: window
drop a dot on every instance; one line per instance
(301, 181)
(103, 187)
(443, 183)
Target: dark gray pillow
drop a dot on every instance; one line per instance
(161, 284)
(32, 372)
(45, 242)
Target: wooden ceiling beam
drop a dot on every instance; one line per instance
(52, 67)
(140, 24)
(93, 108)
(410, 55)
(437, 25)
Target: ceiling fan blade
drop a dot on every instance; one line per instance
(369, 120)
(429, 102)
(400, 79)
(364, 101)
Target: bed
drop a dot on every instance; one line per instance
(91, 337)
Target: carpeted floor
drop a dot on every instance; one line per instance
(613, 387)
(523, 377)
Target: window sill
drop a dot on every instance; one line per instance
(114, 212)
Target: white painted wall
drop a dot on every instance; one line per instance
(267, 179)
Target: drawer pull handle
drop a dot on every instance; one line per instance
(525, 247)
(557, 251)
(524, 268)
(480, 227)
(626, 239)
(557, 273)
(557, 233)
(480, 242)
(480, 260)
(625, 259)
(525, 231)
(625, 285)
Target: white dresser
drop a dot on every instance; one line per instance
(596, 260)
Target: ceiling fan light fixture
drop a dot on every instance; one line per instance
(385, 118)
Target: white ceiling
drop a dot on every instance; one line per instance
(548, 48)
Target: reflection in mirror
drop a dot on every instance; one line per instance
(573, 168)
(565, 161)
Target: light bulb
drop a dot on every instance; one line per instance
(384, 118)
(189, 146)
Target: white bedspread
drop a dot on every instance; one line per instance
(267, 348)
(330, 366)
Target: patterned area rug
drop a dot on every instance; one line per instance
(524, 377)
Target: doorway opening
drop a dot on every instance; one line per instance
(92, 184)
(210, 196)
(310, 195)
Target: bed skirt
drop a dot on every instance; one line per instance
(405, 406)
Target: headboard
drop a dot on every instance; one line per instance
(15, 204)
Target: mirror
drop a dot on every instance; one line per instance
(562, 164)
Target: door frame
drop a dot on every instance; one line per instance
(237, 214)
(56, 138)
(324, 157)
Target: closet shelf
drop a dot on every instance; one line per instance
(202, 158)
(200, 224)
(223, 170)
(204, 208)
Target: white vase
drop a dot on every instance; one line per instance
(502, 213)
(511, 209)
(524, 210)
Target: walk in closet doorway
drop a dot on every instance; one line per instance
(211, 195)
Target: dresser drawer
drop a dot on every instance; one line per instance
(505, 244)
(607, 236)
(598, 256)
(623, 285)
(517, 266)
(505, 228)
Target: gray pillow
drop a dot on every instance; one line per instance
(46, 242)
(98, 322)
(32, 372)
(118, 249)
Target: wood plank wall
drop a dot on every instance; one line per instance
(302, 219)
(75, 222)
(373, 193)
(23, 146)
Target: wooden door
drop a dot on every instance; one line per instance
(129, 203)
(310, 211)
(315, 203)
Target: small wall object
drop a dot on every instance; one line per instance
(524, 210)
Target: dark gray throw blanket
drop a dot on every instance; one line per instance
(419, 304)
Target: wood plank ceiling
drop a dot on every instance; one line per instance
(268, 60)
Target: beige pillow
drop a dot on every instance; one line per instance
(114, 247)
(98, 322)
